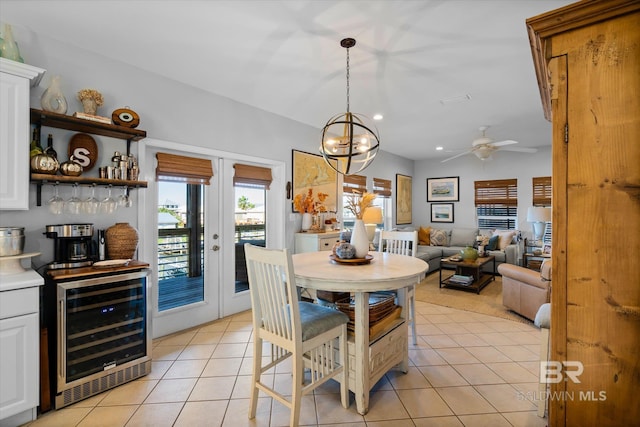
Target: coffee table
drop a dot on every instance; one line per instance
(468, 268)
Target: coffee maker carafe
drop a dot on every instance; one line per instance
(73, 245)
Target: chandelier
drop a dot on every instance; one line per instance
(349, 140)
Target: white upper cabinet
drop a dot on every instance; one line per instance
(15, 82)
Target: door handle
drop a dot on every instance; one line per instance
(215, 248)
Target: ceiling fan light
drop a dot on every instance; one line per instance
(484, 152)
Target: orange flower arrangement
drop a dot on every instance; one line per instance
(306, 203)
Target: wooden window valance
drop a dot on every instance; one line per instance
(354, 184)
(542, 191)
(190, 170)
(497, 192)
(382, 187)
(252, 175)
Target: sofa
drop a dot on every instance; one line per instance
(524, 290)
(436, 243)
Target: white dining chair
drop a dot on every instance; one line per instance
(403, 243)
(315, 337)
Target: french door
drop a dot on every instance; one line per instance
(193, 237)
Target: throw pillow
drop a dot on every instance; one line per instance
(493, 243)
(505, 238)
(424, 236)
(438, 237)
(463, 236)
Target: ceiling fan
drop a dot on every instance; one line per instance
(484, 147)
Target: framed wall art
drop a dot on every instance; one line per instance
(403, 199)
(310, 171)
(442, 212)
(443, 189)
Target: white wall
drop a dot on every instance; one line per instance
(173, 111)
(505, 165)
(169, 111)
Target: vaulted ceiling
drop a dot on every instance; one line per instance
(437, 70)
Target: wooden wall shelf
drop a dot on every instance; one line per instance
(40, 179)
(62, 121)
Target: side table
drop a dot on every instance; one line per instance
(533, 261)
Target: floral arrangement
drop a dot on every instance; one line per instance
(91, 94)
(306, 203)
(358, 203)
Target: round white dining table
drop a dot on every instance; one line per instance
(385, 272)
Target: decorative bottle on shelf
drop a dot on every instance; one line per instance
(35, 148)
(8, 46)
(359, 239)
(53, 99)
(49, 150)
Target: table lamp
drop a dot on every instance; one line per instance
(372, 217)
(538, 216)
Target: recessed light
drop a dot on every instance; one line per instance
(377, 117)
(439, 148)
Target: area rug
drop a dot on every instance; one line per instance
(489, 301)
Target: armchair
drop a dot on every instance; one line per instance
(525, 290)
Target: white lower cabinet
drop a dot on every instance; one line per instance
(19, 348)
(18, 357)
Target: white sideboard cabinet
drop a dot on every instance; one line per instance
(313, 242)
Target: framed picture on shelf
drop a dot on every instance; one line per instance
(403, 199)
(546, 249)
(443, 189)
(310, 171)
(442, 212)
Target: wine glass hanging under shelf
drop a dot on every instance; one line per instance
(41, 179)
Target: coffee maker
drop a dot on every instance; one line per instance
(73, 245)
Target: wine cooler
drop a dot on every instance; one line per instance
(101, 332)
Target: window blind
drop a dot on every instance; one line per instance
(354, 184)
(497, 203)
(542, 191)
(252, 175)
(542, 197)
(190, 170)
(501, 191)
(382, 187)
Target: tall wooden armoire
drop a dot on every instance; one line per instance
(587, 60)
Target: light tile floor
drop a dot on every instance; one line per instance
(468, 369)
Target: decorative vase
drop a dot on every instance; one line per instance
(307, 221)
(8, 46)
(469, 254)
(121, 241)
(53, 99)
(359, 239)
(90, 106)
